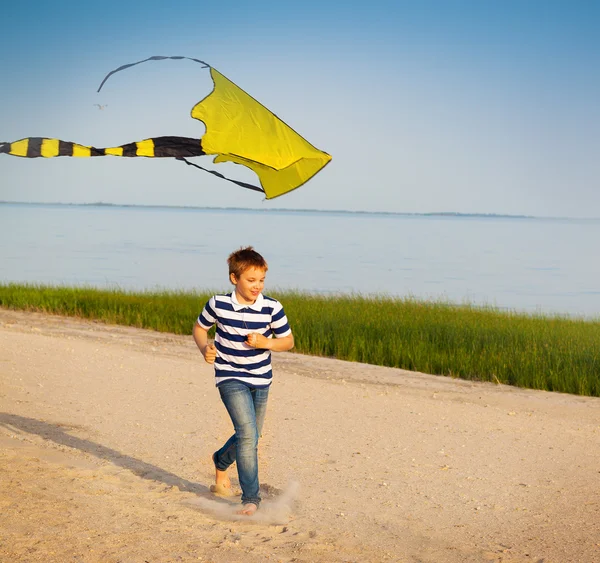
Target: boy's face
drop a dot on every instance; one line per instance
(248, 285)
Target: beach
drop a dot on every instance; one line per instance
(106, 436)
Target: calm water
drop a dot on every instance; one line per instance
(545, 265)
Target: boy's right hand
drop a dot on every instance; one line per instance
(210, 354)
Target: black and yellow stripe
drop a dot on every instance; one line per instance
(157, 147)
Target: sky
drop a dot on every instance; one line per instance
(467, 106)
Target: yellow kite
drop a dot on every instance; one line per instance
(239, 129)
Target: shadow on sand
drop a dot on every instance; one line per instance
(272, 512)
(57, 434)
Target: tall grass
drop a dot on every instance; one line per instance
(539, 352)
(551, 353)
(163, 311)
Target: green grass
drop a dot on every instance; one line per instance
(484, 344)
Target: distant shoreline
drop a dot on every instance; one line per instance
(445, 214)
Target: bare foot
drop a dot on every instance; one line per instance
(222, 479)
(222, 484)
(248, 509)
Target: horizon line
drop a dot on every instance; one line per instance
(301, 210)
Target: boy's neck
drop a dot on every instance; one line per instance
(242, 301)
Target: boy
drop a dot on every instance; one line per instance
(246, 322)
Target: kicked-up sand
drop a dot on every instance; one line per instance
(106, 436)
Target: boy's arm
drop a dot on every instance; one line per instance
(282, 344)
(209, 351)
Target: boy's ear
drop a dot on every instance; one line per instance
(233, 278)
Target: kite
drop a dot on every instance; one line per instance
(239, 129)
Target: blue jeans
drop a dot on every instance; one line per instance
(246, 408)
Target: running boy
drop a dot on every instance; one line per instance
(246, 322)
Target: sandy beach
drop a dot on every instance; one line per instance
(106, 436)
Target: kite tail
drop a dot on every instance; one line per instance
(157, 147)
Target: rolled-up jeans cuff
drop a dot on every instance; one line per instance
(216, 462)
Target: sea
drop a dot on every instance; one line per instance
(547, 266)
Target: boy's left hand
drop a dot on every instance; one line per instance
(256, 340)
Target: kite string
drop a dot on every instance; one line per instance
(219, 175)
(154, 58)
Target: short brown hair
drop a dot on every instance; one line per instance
(244, 258)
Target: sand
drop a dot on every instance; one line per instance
(106, 435)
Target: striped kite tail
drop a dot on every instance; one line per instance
(158, 147)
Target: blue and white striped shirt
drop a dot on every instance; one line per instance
(235, 321)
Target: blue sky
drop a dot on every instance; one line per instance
(467, 106)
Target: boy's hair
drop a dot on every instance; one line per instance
(244, 258)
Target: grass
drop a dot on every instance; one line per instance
(483, 344)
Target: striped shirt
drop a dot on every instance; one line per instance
(235, 321)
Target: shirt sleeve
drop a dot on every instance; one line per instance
(279, 322)
(207, 318)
